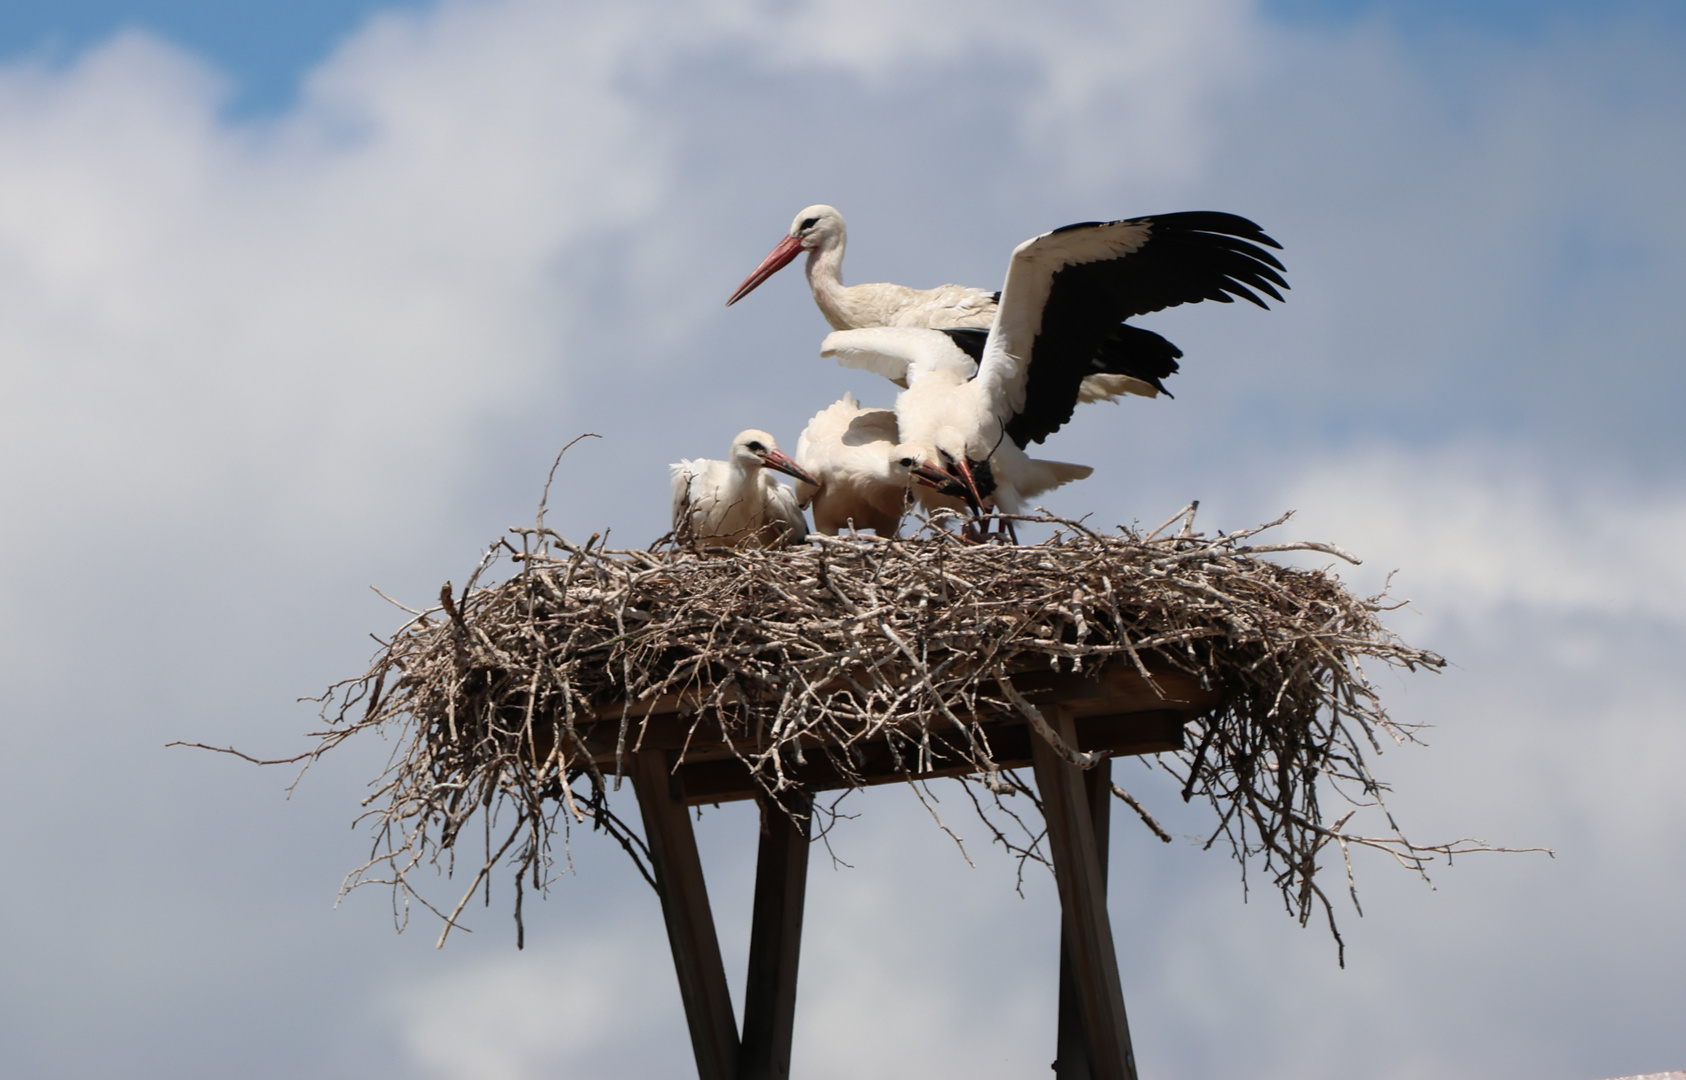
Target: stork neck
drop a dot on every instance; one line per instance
(740, 479)
(825, 280)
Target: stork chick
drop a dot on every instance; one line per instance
(862, 472)
(737, 502)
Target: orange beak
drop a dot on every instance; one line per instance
(776, 260)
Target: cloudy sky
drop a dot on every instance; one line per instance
(298, 299)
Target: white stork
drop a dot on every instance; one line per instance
(862, 472)
(736, 502)
(937, 372)
(819, 231)
(1134, 365)
(1062, 310)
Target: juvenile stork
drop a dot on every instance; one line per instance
(1133, 363)
(862, 472)
(934, 367)
(737, 502)
(1067, 295)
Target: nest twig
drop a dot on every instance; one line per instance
(855, 642)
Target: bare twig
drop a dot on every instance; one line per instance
(857, 645)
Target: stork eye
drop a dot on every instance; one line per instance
(756, 448)
(907, 461)
(808, 223)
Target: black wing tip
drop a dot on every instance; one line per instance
(1213, 221)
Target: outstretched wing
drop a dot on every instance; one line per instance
(1069, 291)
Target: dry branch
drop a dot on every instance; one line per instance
(850, 644)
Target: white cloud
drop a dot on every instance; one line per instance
(248, 368)
(1473, 534)
(518, 1017)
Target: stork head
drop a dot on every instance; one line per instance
(967, 466)
(910, 463)
(817, 227)
(755, 449)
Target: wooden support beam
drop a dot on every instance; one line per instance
(1072, 1060)
(690, 923)
(711, 776)
(775, 940)
(1081, 881)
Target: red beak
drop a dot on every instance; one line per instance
(778, 459)
(776, 260)
(965, 469)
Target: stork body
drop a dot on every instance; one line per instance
(737, 502)
(863, 473)
(1063, 307)
(1134, 366)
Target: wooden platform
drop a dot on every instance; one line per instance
(1117, 714)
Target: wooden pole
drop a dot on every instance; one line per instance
(1072, 1060)
(690, 923)
(775, 941)
(1082, 886)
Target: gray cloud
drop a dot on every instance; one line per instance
(251, 368)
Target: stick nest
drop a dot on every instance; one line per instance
(849, 641)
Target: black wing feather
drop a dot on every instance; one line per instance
(1140, 354)
(1187, 257)
(971, 340)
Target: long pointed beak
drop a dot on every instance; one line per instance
(776, 260)
(972, 496)
(778, 459)
(931, 476)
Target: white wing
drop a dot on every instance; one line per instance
(783, 512)
(897, 352)
(683, 473)
(1024, 299)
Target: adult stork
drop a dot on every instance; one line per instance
(736, 502)
(863, 472)
(1133, 363)
(1066, 297)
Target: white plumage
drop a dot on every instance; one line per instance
(819, 230)
(936, 415)
(1061, 315)
(861, 469)
(737, 502)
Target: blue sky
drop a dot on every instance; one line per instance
(264, 47)
(262, 347)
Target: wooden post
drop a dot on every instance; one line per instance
(1082, 887)
(690, 924)
(1072, 1059)
(775, 941)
